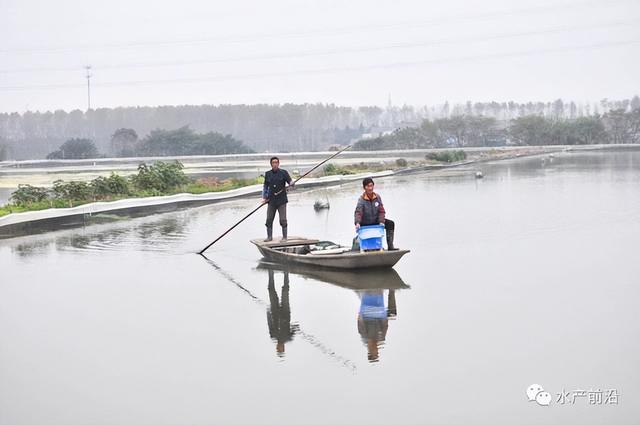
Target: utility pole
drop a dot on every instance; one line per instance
(88, 76)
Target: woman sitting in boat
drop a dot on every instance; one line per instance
(370, 211)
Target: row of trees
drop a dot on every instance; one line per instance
(262, 127)
(615, 126)
(183, 141)
(125, 143)
(270, 128)
(558, 109)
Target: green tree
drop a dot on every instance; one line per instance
(75, 149)
(169, 142)
(217, 144)
(634, 125)
(620, 126)
(453, 130)
(589, 130)
(530, 130)
(408, 138)
(430, 134)
(123, 142)
(482, 131)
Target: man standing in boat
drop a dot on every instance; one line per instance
(370, 211)
(274, 192)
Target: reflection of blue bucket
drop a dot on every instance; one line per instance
(370, 237)
(372, 305)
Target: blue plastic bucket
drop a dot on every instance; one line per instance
(370, 237)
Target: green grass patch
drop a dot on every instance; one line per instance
(362, 167)
(208, 185)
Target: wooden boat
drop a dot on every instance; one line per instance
(357, 280)
(297, 250)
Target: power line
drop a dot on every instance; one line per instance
(326, 52)
(437, 21)
(333, 69)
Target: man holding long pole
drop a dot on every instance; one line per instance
(201, 252)
(274, 192)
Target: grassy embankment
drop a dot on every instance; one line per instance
(448, 157)
(160, 179)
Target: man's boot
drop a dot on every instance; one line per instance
(269, 234)
(390, 246)
(284, 233)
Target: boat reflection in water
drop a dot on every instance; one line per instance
(376, 290)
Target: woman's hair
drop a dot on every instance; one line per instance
(366, 181)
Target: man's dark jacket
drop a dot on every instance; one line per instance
(274, 187)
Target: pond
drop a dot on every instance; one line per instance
(527, 276)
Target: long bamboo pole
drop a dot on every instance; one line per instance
(262, 204)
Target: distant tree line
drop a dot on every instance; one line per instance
(266, 128)
(615, 126)
(125, 143)
(183, 141)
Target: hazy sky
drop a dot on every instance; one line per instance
(344, 52)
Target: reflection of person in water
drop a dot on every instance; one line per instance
(373, 319)
(279, 314)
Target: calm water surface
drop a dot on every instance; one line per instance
(530, 275)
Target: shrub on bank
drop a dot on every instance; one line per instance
(71, 191)
(27, 195)
(161, 176)
(332, 169)
(447, 156)
(114, 185)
